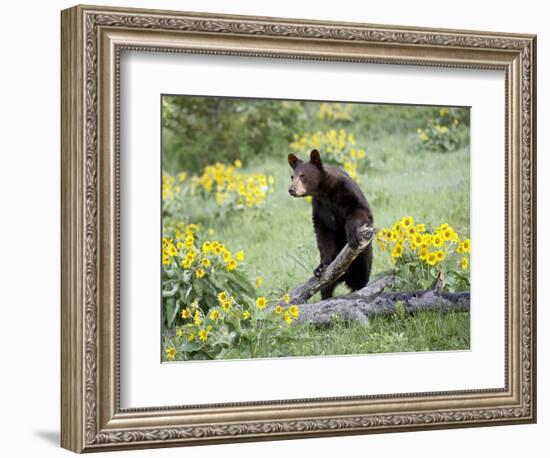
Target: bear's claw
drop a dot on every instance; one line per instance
(319, 269)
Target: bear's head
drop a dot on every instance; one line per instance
(307, 176)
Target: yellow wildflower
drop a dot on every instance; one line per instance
(203, 335)
(185, 314)
(214, 315)
(279, 309)
(464, 262)
(239, 256)
(231, 265)
(189, 240)
(197, 319)
(432, 259)
(226, 305)
(407, 222)
(397, 251)
(259, 281)
(261, 303)
(246, 315)
(205, 262)
(293, 310)
(170, 353)
(200, 273)
(288, 318)
(448, 234)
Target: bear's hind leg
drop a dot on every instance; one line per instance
(328, 290)
(358, 272)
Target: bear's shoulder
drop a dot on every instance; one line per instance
(341, 184)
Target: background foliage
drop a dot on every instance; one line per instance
(197, 131)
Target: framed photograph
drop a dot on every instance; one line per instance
(279, 228)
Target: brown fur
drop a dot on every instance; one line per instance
(339, 209)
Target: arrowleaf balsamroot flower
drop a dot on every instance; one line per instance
(170, 353)
(405, 240)
(261, 303)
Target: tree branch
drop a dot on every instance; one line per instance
(302, 293)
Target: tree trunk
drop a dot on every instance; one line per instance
(372, 300)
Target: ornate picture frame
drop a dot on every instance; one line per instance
(92, 41)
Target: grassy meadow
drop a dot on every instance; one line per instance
(398, 176)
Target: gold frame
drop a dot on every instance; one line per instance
(92, 39)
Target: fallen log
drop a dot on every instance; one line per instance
(372, 299)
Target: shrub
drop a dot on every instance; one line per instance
(221, 189)
(233, 190)
(211, 305)
(445, 132)
(335, 111)
(234, 329)
(419, 254)
(197, 130)
(337, 148)
(195, 270)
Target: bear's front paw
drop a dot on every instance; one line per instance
(319, 269)
(353, 239)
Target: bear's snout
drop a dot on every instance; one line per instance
(292, 191)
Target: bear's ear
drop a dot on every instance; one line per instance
(315, 158)
(293, 160)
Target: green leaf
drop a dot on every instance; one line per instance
(186, 277)
(190, 346)
(171, 292)
(171, 310)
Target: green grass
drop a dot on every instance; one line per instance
(280, 245)
(426, 331)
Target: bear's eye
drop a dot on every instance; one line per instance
(302, 177)
(292, 177)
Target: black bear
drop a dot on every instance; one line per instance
(339, 210)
